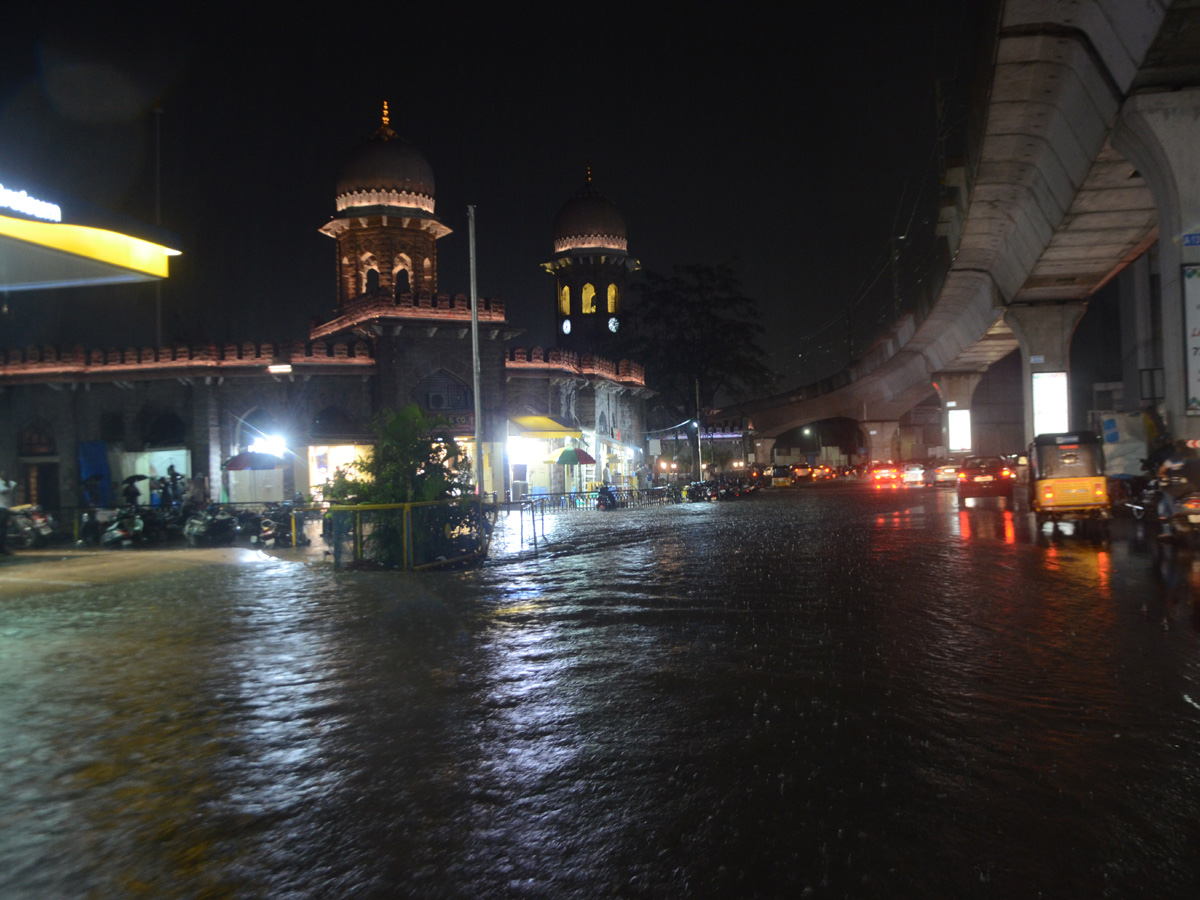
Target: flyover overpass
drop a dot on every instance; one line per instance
(1085, 154)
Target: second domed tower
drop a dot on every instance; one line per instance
(591, 266)
(385, 225)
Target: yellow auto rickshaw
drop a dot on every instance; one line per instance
(1066, 478)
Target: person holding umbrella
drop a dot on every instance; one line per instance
(130, 493)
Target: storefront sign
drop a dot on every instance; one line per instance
(31, 206)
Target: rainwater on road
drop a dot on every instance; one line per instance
(824, 691)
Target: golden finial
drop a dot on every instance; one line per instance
(385, 113)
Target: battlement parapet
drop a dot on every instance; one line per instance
(625, 372)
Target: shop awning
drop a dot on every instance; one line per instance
(541, 427)
(37, 255)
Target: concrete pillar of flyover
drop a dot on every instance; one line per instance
(764, 448)
(880, 437)
(1159, 133)
(956, 390)
(1044, 332)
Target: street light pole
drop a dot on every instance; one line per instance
(475, 357)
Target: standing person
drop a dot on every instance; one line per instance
(6, 489)
(131, 494)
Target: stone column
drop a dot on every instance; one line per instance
(1044, 332)
(956, 390)
(1159, 133)
(880, 437)
(764, 450)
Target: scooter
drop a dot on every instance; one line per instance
(126, 529)
(1145, 504)
(276, 527)
(605, 498)
(1184, 521)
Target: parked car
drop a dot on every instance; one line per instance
(984, 476)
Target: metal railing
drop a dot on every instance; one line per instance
(537, 507)
(410, 536)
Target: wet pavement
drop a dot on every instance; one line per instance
(825, 691)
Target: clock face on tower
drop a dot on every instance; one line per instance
(613, 324)
(566, 326)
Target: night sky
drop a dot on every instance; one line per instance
(793, 140)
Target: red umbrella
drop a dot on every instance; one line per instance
(571, 456)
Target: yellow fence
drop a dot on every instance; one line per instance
(410, 536)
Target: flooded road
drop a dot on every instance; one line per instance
(826, 691)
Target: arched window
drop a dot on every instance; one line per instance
(589, 299)
(564, 301)
(613, 298)
(403, 286)
(371, 282)
(427, 275)
(442, 393)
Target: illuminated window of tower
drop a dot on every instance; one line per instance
(564, 301)
(589, 299)
(612, 298)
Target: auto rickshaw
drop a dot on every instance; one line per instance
(1066, 479)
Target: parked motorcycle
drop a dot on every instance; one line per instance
(214, 526)
(29, 526)
(275, 527)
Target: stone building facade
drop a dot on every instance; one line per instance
(69, 413)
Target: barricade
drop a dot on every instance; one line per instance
(410, 536)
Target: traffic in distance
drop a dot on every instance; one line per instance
(1060, 477)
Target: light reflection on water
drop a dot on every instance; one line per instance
(835, 690)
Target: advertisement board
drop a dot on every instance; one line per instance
(1051, 406)
(958, 426)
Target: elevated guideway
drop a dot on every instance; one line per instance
(1043, 212)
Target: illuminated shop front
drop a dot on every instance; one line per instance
(531, 442)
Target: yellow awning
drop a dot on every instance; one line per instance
(48, 254)
(541, 427)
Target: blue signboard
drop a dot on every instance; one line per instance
(1191, 240)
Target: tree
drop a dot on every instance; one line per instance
(412, 461)
(696, 328)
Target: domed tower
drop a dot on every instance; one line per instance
(591, 266)
(385, 228)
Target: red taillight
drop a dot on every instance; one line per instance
(1005, 473)
(1101, 491)
(962, 476)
